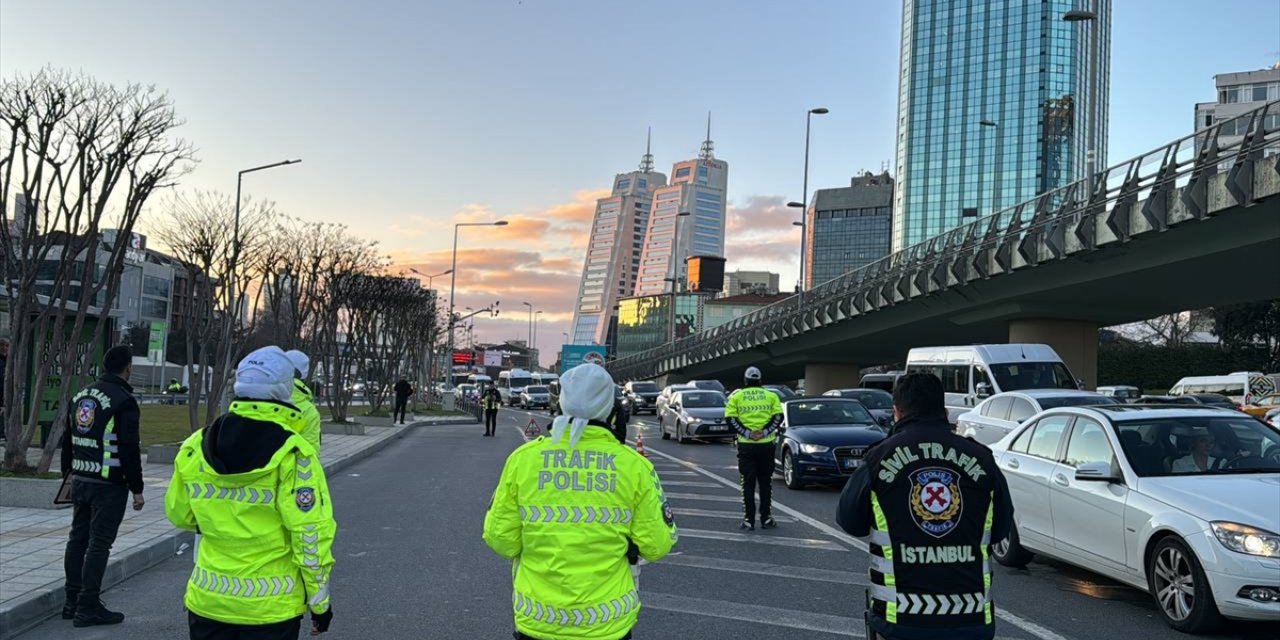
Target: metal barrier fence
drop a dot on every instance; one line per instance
(1164, 186)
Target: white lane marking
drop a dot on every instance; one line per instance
(762, 569)
(701, 496)
(778, 541)
(1028, 626)
(663, 471)
(689, 483)
(789, 618)
(728, 515)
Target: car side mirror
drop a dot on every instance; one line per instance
(1096, 472)
(1079, 383)
(984, 390)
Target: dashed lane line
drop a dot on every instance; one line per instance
(754, 613)
(760, 569)
(777, 541)
(689, 483)
(705, 496)
(726, 515)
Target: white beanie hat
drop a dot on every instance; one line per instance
(586, 393)
(265, 374)
(301, 363)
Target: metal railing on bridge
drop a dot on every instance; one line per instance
(1167, 185)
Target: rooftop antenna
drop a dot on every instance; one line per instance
(646, 162)
(708, 147)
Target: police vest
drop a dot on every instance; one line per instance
(755, 409)
(491, 401)
(932, 501)
(92, 428)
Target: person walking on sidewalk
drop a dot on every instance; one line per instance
(100, 450)
(756, 414)
(309, 426)
(491, 401)
(403, 390)
(257, 494)
(566, 510)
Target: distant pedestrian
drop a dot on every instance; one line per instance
(571, 575)
(100, 450)
(403, 390)
(256, 492)
(756, 414)
(309, 426)
(491, 401)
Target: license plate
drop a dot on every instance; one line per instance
(720, 427)
(851, 463)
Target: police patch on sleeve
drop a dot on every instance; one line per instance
(85, 410)
(667, 516)
(935, 500)
(305, 498)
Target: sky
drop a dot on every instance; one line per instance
(410, 116)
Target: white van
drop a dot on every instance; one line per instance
(511, 384)
(973, 373)
(480, 380)
(544, 378)
(1242, 386)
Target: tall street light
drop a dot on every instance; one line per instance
(530, 343)
(804, 205)
(1095, 44)
(431, 278)
(995, 190)
(537, 317)
(431, 348)
(453, 278)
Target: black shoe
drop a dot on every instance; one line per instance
(767, 522)
(746, 525)
(69, 610)
(95, 616)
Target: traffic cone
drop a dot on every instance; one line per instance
(640, 444)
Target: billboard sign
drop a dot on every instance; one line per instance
(572, 355)
(492, 358)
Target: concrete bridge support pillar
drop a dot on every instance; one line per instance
(820, 378)
(1076, 341)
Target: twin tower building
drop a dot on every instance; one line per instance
(644, 231)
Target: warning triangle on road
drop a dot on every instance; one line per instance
(533, 429)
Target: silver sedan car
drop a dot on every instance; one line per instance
(695, 414)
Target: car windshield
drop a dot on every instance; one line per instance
(535, 389)
(644, 387)
(467, 387)
(1012, 376)
(783, 392)
(520, 383)
(827, 412)
(871, 398)
(701, 399)
(1081, 400)
(708, 385)
(1214, 400)
(1199, 445)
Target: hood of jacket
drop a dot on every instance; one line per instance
(248, 437)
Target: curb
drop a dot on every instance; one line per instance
(34, 609)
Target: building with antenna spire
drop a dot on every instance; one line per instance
(698, 187)
(612, 263)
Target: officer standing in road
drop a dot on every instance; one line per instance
(309, 426)
(257, 494)
(756, 414)
(491, 401)
(100, 449)
(931, 503)
(566, 509)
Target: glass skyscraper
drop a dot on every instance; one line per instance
(998, 101)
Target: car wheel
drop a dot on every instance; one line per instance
(1180, 589)
(790, 475)
(1010, 552)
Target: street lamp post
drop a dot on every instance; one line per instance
(431, 358)
(804, 192)
(995, 190)
(453, 278)
(530, 343)
(537, 317)
(1095, 44)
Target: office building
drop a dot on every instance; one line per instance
(646, 322)
(998, 101)
(698, 187)
(848, 227)
(742, 282)
(1238, 93)
(613, 251)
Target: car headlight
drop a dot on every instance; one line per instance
(692, 420)
(814, 448)
(1245, 539)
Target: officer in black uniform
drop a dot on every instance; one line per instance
(931, 503)
(100, 449)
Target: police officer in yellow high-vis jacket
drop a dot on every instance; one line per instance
(756, 414)
(309, 425)
(256, 493)
(566, 509)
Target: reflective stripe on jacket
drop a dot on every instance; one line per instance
(754, 409)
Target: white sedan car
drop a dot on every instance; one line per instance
(996, 416)
(1181, 502)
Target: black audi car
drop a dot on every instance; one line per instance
(824, 440)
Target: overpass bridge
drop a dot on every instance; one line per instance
(1191, 224)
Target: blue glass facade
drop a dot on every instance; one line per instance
(1039, 81)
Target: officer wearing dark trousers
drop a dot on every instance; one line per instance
(491, 400)
(930, 503)
(403, 390)
(755, 413)
(100, 450)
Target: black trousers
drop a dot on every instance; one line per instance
(490, 421)
(206, 629)
(755, 467)
(98, 509)
(401, 404)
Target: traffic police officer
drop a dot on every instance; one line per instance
(492, 400)
(309, 426)
(566, 508)
(257, 494)
(756, 414)
(931, 503)
(100, 450)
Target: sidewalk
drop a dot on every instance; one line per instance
(32, 541)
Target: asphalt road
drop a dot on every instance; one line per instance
(411, 563)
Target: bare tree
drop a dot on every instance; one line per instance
(77, 158)
(1175, 329)
(340, 261)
